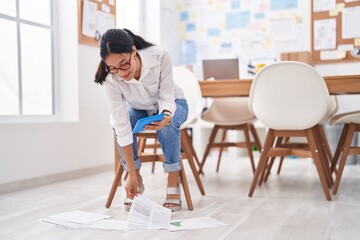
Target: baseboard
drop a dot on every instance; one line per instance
(54, 178)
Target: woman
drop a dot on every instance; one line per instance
(137, 76)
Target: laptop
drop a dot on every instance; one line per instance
(221, 68)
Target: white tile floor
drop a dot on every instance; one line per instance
(289, 206)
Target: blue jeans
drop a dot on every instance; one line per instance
(168, 136)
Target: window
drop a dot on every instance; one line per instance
(26, 63)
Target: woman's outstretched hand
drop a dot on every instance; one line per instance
(131, 186)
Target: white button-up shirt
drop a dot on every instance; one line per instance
(153, 92)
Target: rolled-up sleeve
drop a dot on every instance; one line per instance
(167, 86)
(119, 116)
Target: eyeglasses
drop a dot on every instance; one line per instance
(124, 67)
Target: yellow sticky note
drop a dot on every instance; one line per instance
(179, 7)
(341, 54)
(183, 36)
(333, 12)
(357, 41)
(193, 15)
(298, 19)
(181, 27)
(216, 41)
(340, 7)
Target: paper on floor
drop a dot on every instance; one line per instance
(108, 224)
(73, 219)
(80, 217)
(194, 223)
(146, 214)
(60, 223)
(143, 214)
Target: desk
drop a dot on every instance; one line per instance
(344, 84)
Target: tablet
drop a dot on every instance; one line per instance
(141, 123)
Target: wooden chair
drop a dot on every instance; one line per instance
(291, 99)
(231, 114)
(351, 122)
(144, 145)
(324, 142)
(187, 81)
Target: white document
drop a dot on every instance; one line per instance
(350, 22)
(332, 55)
(104, 22)
(284, 46)
(325, 34)
(283, 29)
(60, 223)
(345, 47)
(323, 5)
(146, 214)
(108, 224)
(105, 8)
(80, 217)
(89, 18)
(194, 223)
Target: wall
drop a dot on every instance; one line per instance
(252, 31)
(169, 33)
(150, 13)
(174, 30)
(126, 16)
(79, 141)
(190, 20)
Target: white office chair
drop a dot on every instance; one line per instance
(351, 122)
(231, 114)
(325, 143)
(189, 84)
(291, 99)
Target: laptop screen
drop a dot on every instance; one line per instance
(221, 68)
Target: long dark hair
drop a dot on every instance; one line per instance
(117, 41)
